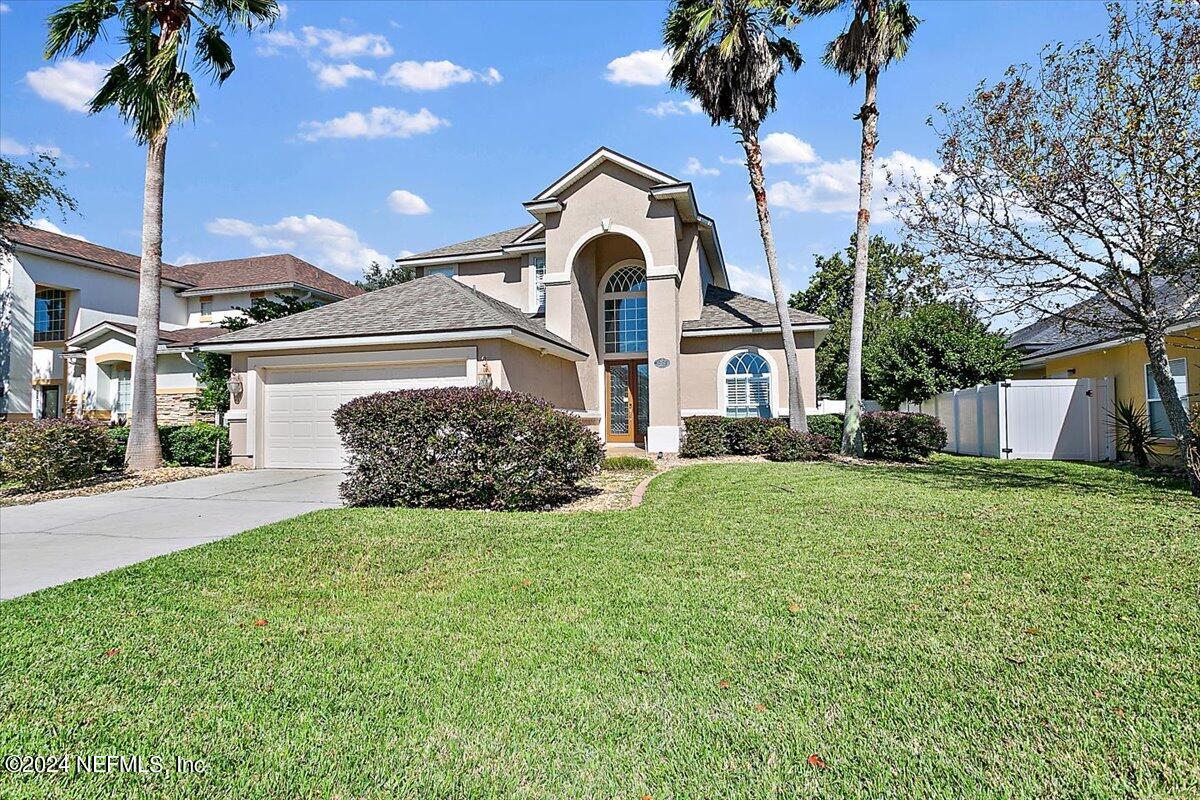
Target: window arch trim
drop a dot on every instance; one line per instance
(771, 383)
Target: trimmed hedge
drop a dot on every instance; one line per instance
(47, 453)
(185, 445)
(901, 436)
(751, 436)
(463, 448)
(828, 425)
(786, 445)
(627, 464)
(704, 436)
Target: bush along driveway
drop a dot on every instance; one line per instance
(963, 629)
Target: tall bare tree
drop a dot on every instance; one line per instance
(878, 33)
(727, 54)
(1072, 188)
(150, 87)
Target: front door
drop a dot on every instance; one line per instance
(628, 399)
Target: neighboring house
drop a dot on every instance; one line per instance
(1054, 348)
(614, 305)
(69, 311)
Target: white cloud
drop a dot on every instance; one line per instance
(333, 43)
(674, 108)
(784, 148)
(335, 76)
(831, 187)
(185, 258)
(753, 281)
(405, 202)
(379, 123)
(5, 8)
(431, 76)
(44, 224)
(640, 68)
(11, 147)
(70, 83)
(694, 167)
(323, 241)
(283, 12)
(733, 162)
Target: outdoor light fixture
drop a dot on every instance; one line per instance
(484, 380)
(234, 384)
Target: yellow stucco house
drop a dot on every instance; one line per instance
(1052, 348)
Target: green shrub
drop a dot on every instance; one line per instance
(901, 436)
(787, 445)
(705, 436)
(194, 448)
(827, 425)
(462, 448)
(47, 453)
(750, 436)
(627, 464)
(195, 445)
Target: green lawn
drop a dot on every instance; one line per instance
(969, 628)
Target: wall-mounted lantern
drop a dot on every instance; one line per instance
(234, 384)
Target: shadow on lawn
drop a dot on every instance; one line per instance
(975, 473)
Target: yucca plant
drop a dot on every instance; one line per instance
(1134, 434)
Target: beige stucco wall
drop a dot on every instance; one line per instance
(701, 357)
(502, 278)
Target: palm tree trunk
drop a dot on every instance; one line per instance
(1160, 370)
(144, 451)
(797, 416)
(852, 443)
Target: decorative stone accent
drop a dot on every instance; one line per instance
(180, 409)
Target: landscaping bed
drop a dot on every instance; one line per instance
(965, 628)
(17, 495)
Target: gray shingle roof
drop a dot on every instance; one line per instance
(1068, 331)
(269, 270)
(432, 304)
(724, 308)
(480, 244)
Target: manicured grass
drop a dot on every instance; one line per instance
(969, 628)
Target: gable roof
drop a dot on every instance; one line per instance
(433, 304)
(38, 239)
(489, 243)
(1060, 333)
(238, 273)
(724, 309)
(270, 270)
(177, 338)
(597, 157)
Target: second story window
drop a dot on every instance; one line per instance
(205, 308)
(449, 272)
(49, 315)
(537, 267)
(625, 311)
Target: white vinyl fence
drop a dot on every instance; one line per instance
(1065, 419)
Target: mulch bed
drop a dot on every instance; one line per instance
(108, 482)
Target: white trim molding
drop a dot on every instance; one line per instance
(772, 381)
(601, 155)
(823, 326)
(600, 230)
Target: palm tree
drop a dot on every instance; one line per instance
(878, 34)
(727, 55)
(151, 89)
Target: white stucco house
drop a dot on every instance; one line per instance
(68, 314)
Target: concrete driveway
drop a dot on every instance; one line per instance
(49, 543)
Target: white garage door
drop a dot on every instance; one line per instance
(299, 405)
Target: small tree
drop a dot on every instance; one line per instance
(376, 277)
(898, 280)
(727, 55)
(1079, 180)
(932, 349)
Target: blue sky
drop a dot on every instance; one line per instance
(359, 130)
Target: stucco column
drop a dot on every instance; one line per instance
(662, 312)
(559, 303)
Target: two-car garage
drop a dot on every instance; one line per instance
(299, 401)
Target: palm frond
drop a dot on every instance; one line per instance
(214, 54)
(74, 28)
(873, 39)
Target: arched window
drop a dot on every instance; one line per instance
(748, 386)
(625, 310)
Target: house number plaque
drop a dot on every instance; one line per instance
(662, 363)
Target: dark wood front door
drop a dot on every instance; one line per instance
(627, 398)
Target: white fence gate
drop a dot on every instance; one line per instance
(1065, 419)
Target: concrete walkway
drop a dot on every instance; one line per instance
(45, 544)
